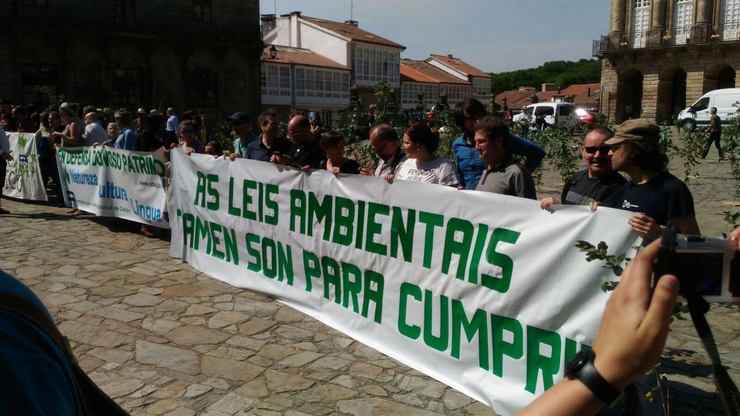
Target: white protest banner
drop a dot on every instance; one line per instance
(115, 183)
(486, 293)
(23, 176)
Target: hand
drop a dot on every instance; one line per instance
(233, 156)
(546, 203)
(173, 145)
(306, 168)
(281, 159)
(389, 178)
(594, 205)
(645, 225)
(735, 239)
(366, 172)
(335, 171)
(8, 156)
(635, 324)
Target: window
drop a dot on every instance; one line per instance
(640, 23)
(124, 12)
(127, 86)
(375, 65)
(730, 19)
(204, 89)
(701, 104)
(683, 19)
(275, 80)
(202, 10)
(38, 82)
(410, 94)
(481, 87)
(565, 110)
(321, 83)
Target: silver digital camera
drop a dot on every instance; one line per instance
(707, 266)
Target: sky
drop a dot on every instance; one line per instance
(492, 35)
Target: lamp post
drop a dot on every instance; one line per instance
(273, 52)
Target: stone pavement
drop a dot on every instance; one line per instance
(164, 339)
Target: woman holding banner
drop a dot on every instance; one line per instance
(422, 164)
(72, 134)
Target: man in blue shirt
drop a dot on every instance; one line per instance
(126, 139)
(469, 164)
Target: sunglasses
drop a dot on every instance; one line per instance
(593, 149)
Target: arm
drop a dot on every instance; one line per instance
(631, 337)
(526, 148)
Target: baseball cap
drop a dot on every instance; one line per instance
(239, 117)
(640, 129)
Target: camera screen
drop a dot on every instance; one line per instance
(701, 271)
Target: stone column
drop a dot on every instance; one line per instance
(657, 23)
(702, 29)
(618, 16)
(617, 22)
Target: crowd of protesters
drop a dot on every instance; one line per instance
(488, 157)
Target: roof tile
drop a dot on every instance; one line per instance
(460, 65)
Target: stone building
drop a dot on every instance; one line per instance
(199, 54)
(662, 55)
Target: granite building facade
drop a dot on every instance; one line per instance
(199, 54)
(661, 55)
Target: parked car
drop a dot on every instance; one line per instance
(556, 112)
(727, 101)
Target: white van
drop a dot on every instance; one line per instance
(556, 112)
(727, 101)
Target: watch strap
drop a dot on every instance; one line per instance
(598, 385)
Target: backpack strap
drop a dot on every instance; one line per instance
(94, 400)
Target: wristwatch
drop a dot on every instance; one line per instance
(581, 367)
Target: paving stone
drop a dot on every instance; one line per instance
(300, 359)
(198, 310)
(168, 357)
(164, 406)
(114, 355)
(229, 369)
(278, 382)
(117, 314)
(195, 390)
(329, 363)
(225, 318)
(230, 404)
(159, 326)
(195, 335)
(217, 383)
(326, 392)
(422, 386)
(170, 305)
(92, 335)
(121, 387)
(255, 326)
(142, 299)
(181, 411)
(454, 400)
(254, 389)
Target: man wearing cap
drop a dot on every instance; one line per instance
(241, 125)
(598, 182)
(656, 196)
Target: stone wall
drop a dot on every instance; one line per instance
(86, 52)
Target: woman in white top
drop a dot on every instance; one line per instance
(72, 134)
(422, 164)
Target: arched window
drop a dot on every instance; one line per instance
(683, 19)
(640, 23)
(730, 19)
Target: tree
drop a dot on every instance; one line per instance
(561, 73)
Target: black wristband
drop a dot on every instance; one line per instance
(582, 368)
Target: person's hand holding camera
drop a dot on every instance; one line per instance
(631, 338)
(635, 323)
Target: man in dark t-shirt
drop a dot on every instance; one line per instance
(598, 182)
(656, 196)
(305, 153)
(269, 146)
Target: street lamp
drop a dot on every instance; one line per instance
(273, 52)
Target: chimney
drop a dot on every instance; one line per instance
(548, 86)
(351, 22)
(296, 13)
(449, 55)
(268, 23)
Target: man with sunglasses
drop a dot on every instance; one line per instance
(598, 182)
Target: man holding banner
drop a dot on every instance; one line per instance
(5, 156)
